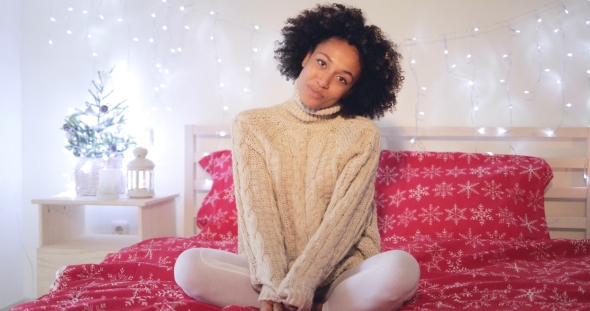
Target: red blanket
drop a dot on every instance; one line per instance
(467, 274)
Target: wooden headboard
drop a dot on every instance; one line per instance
(565, 149)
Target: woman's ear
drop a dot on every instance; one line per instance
(305, 59)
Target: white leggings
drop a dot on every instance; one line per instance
(382, 282)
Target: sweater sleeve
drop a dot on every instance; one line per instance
(348, 212)
(259, 222)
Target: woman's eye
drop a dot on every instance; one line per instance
(342, 80)
(321, 62)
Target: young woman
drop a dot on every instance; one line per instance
(304, 174)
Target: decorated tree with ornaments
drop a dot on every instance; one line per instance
(97, 131)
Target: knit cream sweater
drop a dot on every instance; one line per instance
(304, 182)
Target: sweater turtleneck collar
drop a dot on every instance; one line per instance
(306, 114)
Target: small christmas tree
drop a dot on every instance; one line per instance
(97, 131)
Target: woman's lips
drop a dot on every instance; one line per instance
(314, 94)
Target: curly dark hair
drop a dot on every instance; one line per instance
(381, 73)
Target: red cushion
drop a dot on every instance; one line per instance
(454, 195)
(218, 218)
(422, 195)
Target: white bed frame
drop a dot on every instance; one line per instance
(566, 150)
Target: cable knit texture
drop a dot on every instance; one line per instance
(304, 182)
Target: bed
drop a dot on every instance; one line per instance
(498, 219)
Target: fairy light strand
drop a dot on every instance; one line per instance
(417, 102)
(473, 96)
(50, 20)
(511, 34)
(564, 58)
(160, 76)
(220, 85)
(87, 37)
(531, 94)
(482, 29)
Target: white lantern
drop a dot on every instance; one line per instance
(140, 175)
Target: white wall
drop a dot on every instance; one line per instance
(56, 77)
(11, 199)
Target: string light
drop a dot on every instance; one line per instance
(469, 79)
(511, 34)
(417, 110)
(550, 133)
(563, 111)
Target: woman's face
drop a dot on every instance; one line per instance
(328, 73)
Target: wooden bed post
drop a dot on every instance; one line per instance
(189, 175)
(588, 185)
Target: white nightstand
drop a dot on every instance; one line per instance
(62, 237)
